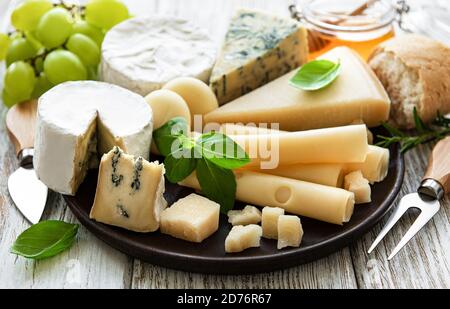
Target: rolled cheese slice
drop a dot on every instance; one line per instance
(324, 203)
(328, 174)
(329, 145)
(197, 95)
(248, 129)
(375, 167)
(166, 105)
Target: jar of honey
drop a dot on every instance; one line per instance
(358, 24)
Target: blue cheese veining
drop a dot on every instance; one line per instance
(258, 48)
(136, 201)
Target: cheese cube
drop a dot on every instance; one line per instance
(356, 183)
(269, 221)
(246, 216)
(129, 192)
(290, 231)
(192, 218)
(243, 237)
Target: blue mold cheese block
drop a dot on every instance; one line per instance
(258, 48)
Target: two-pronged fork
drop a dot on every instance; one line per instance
(435, 184)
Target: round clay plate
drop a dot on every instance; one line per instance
(320, 239)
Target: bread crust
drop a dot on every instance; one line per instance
(430, 59)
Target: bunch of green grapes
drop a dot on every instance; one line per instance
(53, 43)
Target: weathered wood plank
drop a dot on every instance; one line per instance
(425, 261)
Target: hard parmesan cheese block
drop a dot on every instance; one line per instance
(246, 216)
(290, 231)
(78, 121)
(329, 145)
(355, 94)
(144, 53)
(269, 221)
(324, 203)
(192, 218)
(356, 183)
(258, 48)
(129, 192)
(197, 95)
(243, 237)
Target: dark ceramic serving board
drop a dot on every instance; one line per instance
(320, 239)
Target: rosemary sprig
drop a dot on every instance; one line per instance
(439, 128)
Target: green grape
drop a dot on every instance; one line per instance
(19, 49)
(26, 16)
(42, 86)
(83, 27)
(4, 43)
(106, 13)
(7, 100)
(62, 65)
(85, 48)
(54, 27)
(20, 81)
(92, 73)
(39, 64)
(31, 36)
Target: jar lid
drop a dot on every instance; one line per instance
(430, 18)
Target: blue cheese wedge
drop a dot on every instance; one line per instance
(258, 48)
(129, 192)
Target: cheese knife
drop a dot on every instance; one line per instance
(26, 190)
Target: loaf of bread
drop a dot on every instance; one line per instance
(415, 70)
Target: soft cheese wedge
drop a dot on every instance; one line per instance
(129, 192)
(355, 94)
(77, 120)
(258, 48)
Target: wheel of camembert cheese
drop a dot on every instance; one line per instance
(79, 121)
(144, 53)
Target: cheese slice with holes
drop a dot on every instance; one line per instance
(324, 203)
(355, 94)
(129, 192)
(78, 120)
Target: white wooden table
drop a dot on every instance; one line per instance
(423, 263)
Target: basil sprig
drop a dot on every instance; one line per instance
(315, 75)
(45, 239)
(212, 155)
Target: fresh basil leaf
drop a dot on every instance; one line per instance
(168, 133)
(218, 184)
(179, 165)
(45, 239)
(316, 75)
(222, 150)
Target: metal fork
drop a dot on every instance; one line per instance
(435, 184)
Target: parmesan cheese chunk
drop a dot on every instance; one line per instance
(246, 216)
(243, 237)
(269, 221)
(290, 231)
(356, 183)
(192, 218)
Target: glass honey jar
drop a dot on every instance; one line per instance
(360, 25)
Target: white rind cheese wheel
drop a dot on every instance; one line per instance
(144, 53)
(75, 120)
